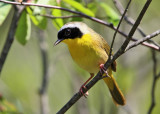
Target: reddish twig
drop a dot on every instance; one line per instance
(143, 40)
(55, 17)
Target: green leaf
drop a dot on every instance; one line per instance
(4, 10)
(112, 16)
(39, 21)
(58, 23)
(23, 30)
(80, 7)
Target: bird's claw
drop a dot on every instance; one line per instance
(103, 70)
(82, 93)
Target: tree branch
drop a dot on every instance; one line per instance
(43, 90)
(62, 17)
(114, 36)
(131, 21)
(82, 15)
(10, 38)
(143, 40)
(155, 78)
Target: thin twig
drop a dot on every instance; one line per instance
(114, 36)
(153, 103)
(143, 40)
(158, 76)
(62, 17)
(44, 105)
(77, 96)
(10, 38)
(127, 19)
(132, 31)
(83, 15)
(131, 21)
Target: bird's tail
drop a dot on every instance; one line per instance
(116, 93)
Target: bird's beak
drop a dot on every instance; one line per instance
(58, 41)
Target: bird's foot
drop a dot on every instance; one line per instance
(81, 91)
(103, 70)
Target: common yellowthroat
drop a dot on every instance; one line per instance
(90, 51)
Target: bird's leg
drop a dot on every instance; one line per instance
(83, 86)
(103, 70)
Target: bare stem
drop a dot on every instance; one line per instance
(143, 40)
(114, 36)
(153, 83)
(44, 105)
(10, 37)
(62, 17)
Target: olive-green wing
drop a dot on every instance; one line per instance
(106, 47)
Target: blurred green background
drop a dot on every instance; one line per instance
(21, 76)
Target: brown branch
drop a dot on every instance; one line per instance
(78, 95)
(43, 90)
(143, 40)
(131, 21)
(155, 78)
(85, 16)
(55, 17)
(10, 38)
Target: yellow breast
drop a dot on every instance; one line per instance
(87, 52)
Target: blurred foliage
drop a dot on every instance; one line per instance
(39, 21)
(22, 73)
(6, 107)
(4, 8)
(112, 16)
(58, 23)
(80, 7)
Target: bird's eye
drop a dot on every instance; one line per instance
(67, 32)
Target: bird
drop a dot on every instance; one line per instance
(90, 51)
